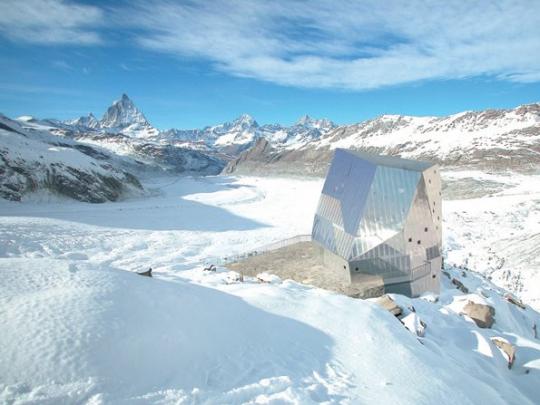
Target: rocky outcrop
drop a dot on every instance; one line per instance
(506, 348)
(386, 302)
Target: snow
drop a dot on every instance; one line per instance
(440, 137)
(78, 326)
(499, 234)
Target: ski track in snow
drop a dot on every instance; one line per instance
(83, 332)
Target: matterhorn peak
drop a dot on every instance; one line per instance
(123, 113)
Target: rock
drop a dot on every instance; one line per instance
(210, 268)
(413, 323)
(459, 285)
(147, 273)
(481, 314)
(513, 300)
(389, 304)
(506, 347)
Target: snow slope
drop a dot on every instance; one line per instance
(497, 234)
(104, 335)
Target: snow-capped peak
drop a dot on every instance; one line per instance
(25, 118)
(123, 113)
(88, 121)
(308, 122)
(245, 120)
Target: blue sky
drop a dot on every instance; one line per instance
(188, 64)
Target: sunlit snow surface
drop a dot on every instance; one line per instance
(76, 328)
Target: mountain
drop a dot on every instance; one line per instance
(87, 121)
(121, 117)
(496, 139)
(242, 133)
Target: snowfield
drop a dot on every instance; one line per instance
(79, 327)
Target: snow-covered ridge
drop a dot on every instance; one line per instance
(496, 138)
(230, 137)
(37, 160)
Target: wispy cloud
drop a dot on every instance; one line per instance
(62, 64)
(50, 22)
(349, 45)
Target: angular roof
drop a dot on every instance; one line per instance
(390, 161)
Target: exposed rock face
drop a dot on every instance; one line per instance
(122, 113)
(179, 159)
(481, 314)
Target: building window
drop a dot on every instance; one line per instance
(345, 267)
(356, 268)
(410, 239)
(425, 229)
(418, 242)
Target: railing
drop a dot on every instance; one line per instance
(421, 271)
(262, 249)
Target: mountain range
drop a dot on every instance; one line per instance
(125, 139)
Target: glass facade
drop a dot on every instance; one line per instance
(381, 214)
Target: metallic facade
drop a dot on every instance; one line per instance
(381, 216)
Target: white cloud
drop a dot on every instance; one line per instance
(349, 45)
(50, 22)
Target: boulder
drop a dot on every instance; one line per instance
(481, 314)
(147, 273)
(506, 347)
(389, 304)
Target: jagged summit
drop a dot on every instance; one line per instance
(309, 122)
(123, 113)
(88, 121)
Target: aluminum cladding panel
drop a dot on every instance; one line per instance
(349, 180)
(389, 201)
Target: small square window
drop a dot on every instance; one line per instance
(410, 239)
(425, 229)
(418, 241)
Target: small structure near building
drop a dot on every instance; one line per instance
(377, 229)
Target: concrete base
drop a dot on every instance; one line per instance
(304, 262)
